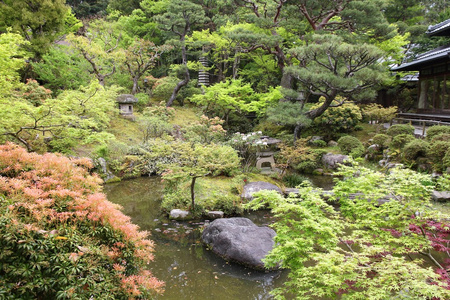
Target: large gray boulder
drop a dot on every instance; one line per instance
(257, 186)
(332, 161)
(443, 196)
(239, 240)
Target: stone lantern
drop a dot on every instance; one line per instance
(126, 103)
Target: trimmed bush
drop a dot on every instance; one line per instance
(441, 137)
(399, 141)
(398, 129)
(437, 130)
(381, 140)
(60, 238)
(319, 143)
(351, 146)
(341, 118)
(437, 152)
(416, 148)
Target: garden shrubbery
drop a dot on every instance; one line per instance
(436, 130)
(60, 238)
(398, 129)
(351, 145)
(416, 148)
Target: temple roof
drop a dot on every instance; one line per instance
(439, 54)
(440, 29)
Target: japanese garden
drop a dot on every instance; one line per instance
(224, 149)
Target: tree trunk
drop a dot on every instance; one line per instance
(186, 79)
(193, 192)
(135, 88)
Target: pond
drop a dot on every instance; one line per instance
(188, 268)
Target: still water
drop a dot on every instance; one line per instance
(188, 268)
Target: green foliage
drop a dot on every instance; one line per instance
(61, 238)
(397, 129)
(341, 118)
(436, 130)
(443, 183)
(75, 117)
(332, 67)
(12, 59)
(441, 137)
(399, 141)
(364, 249)
(39, 22)
(234, 96)
(197, 160)
(153, 127)
(415, 149)
(99, 48)
(436, 153)
(350, 145)
(376, 113)
(318, 143)
(206, 131)
(293, 180)
(300, 157)
(289, 114)
(382, 140)
(61, 69)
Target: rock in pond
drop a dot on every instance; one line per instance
(239, 240)
(331, 160)
(257, 186)
(178, 214)
(215, 214)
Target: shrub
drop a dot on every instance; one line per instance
(416, 148)
(443, 182)
(342, 118)
(351, 145)
(399, 141)
(307, 166)
(441, 137)
(437, 152)
(292, 180)
(61, 238)
(437, 130)
(397, 129)
(319, 143)
(143, 101)
(381, 140)
(378, 113)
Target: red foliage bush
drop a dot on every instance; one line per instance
(54, 203)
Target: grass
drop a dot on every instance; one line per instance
(368, 132)
(185, 115)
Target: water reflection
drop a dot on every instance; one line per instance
(188, 268)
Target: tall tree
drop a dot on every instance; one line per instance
(99, 46)
(179, 19)
(140, 57)
(88, 8)
(38, 21)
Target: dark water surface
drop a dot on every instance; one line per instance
(188, 268)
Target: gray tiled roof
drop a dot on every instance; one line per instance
(440, 29)
(425, 58)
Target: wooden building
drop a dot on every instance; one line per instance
(434, 77)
